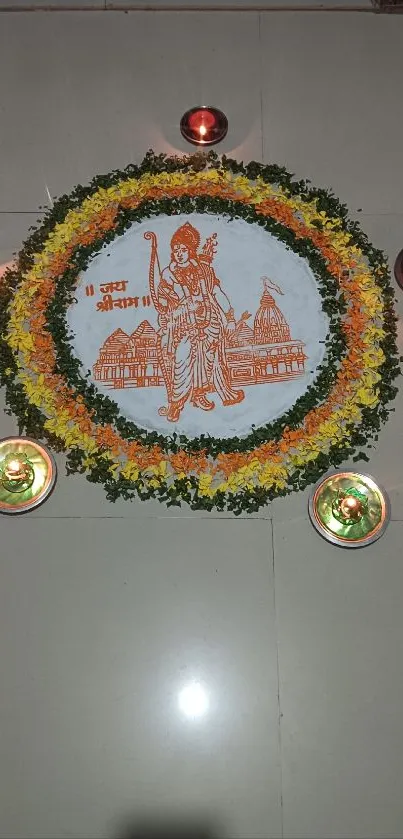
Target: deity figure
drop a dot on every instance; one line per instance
(194, 315)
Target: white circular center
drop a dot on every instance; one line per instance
(217, 329)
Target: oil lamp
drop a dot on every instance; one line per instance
(204, 126)
(399, 269)
(349, 509)
(350, 505)
(16, 472)
(27, 474)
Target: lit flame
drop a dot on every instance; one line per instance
(14, 467)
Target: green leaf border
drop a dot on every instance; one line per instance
(30, 419)
(105, 410)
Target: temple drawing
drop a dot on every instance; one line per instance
(261, 352)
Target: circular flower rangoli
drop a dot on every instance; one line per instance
(195, 329)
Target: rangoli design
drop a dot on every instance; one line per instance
(199, 347)
(196, 330)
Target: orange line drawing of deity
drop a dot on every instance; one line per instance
(194, 317)
(198, 348)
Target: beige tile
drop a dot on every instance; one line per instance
(14, 230)
(103, 626)
(330, 87)
(119, 84)
(55, 5)
(160, 4)
(224, 4)
(340, 629)
(385, 231)
(291, 508)
(8, 425)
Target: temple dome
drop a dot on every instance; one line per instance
(116, 341)
(270, 325)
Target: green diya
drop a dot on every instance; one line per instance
(27, 474)
(349, 509)
(17, 473)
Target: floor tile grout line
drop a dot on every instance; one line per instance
(32, 517)
(143, 518)
(261, 84)
(278, 679)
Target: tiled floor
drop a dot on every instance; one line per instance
(120, 623)
(119, 85)
(340, 627)
(103, 629)
(334, 96)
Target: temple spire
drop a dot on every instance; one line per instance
(270, 325)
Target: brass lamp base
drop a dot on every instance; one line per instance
(27, 475)
(349, 509)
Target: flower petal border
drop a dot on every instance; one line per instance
(342, 411)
